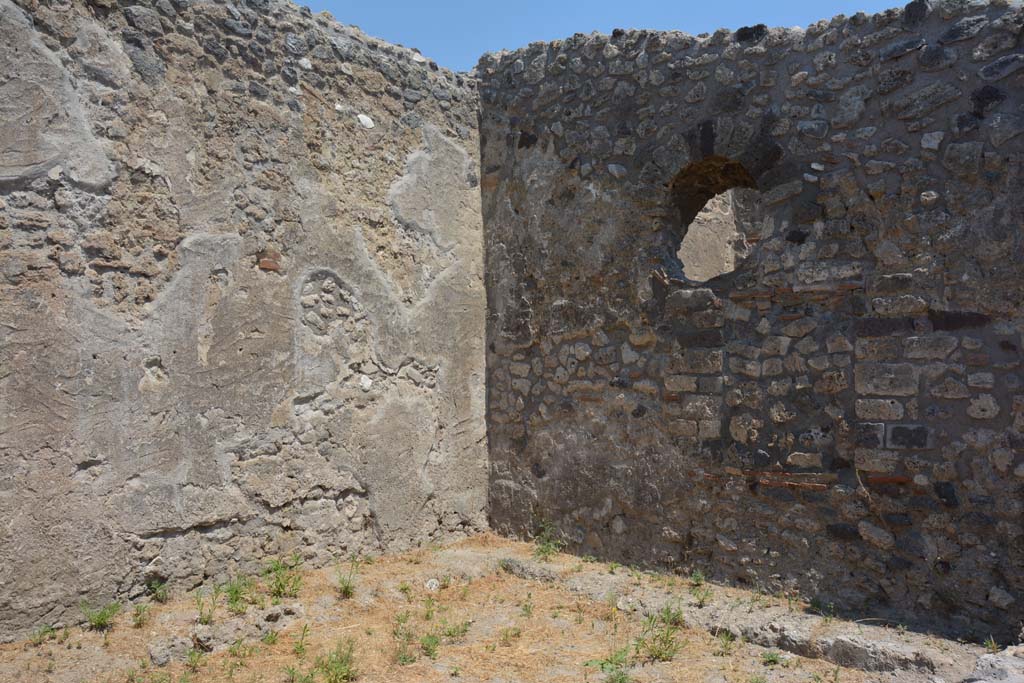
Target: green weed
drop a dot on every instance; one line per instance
(725, 642)
(527, 606)
(140, 615)
(455, 631)
(239, 650)
(657, 642)
(673, 616)
(347, 581)
(206, 605)
(613, 666)
(429, 608)
(338, 666)
(293, 675)
(404, 638)
(194, 660)
(429, 645)
(702, 594)
(239, 593)
(300, 644)
(42, 634)
(509, 634)
(102, 618)
(283, 579)
(158, 590)
(817, 678)
(547, 544)
(826, 610)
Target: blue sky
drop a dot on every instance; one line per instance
(455, 33)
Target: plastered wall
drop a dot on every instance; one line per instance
(241, 298)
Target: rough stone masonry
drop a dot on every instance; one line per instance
(243, 263)
(843, 413)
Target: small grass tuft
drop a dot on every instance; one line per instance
(672, 616)
(827, 610)
(771, 658)
(347, 581)
(429, 645)
(206, 605)
(194, 660)
(702, 594)
(158, 590)
(299, 648)
(140, 615)
(454, 632)
(294, 675)
(239, 593)
(429, 609)
(102, 618)
(527, 607)
(613, 666)
(509, 634)
(404, 639)
(42, 634)
(657, 641)
(239, 650)
(283, 578)
(547, 544)
(338, 666)
(725, 643)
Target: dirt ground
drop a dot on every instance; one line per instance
(484, 609)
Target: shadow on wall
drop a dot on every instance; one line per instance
(841, 415)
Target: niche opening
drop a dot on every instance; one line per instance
(717, 206)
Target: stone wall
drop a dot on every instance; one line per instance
(842, 415)
(241, 297)
(242, 301)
